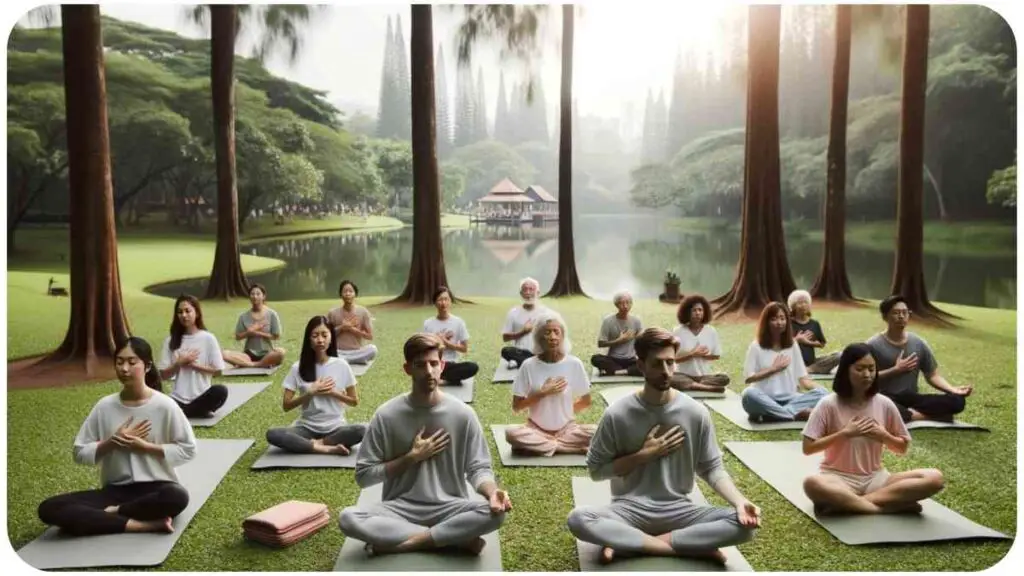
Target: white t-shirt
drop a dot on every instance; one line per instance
(780, 383)
(189, 383)
(458, 329)
(322, 414)
(552, 412)
(517, 319)
(708, 337)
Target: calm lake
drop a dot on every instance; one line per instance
(613, 252)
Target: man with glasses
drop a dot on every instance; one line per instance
(901, 356)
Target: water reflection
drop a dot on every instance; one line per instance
(612, 253)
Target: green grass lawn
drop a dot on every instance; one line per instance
(980, 467)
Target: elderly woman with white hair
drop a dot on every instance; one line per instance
(808, 334)
(618, 331)
(553, 386)
(519, 324)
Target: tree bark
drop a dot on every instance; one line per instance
(832, 282)
(226, 279)
(908, 272)
(762, 274)
(567, 279)
(427, 270)
(98, 321)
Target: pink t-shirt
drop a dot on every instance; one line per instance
(860, 454)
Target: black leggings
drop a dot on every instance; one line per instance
(456, 372)
(206, 403)
(935, 406)
(298, 439)
(82, 513)
(517, 354)
(611, 364)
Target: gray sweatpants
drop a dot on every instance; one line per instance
(297, 438)
(388, 524)
(622, 525)
(359, 356)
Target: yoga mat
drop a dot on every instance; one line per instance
(250, 371)
(732, 409)
(360, 369)
(463, 391)
(504, 375)
(784, 466)
(822, 377)
(54, 550)
(353, 557)
(612, 395)
(275, 457)
(596, 378)
(586, 492)
(238, 394)
(508, 458)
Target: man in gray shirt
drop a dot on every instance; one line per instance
(617, 334)
(425, 446)
(901, 356)
(651, 445)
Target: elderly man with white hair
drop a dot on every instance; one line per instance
(617, 334)
(519, 324)
(553, 386)
(808, 334)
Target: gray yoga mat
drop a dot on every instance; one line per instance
(238, 394)
(614, 394)
(353, 558)
(250, 371)
(200, 477)
(503, 374)
(586, 492)
(275, 457)
(360, 369)
(508, 458)
(596, 378)
(784, 466)
(732, 409)
(462, 391)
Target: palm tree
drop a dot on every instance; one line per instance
(427, 270)
(281, 24)
(832, 282)
(98, 321)
(762, 274)
(908, 272)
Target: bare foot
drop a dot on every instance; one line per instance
(715, 555)
(802, 415)
(474, 547)
(164, 525)
(607, 556)
(111, 509)
(321, 448)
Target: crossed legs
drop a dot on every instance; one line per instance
(901, 492)
(244, 360)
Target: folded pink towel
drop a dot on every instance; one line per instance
(286, 523)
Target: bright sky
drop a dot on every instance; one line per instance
(621, 49)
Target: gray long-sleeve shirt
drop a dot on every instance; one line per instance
(622, 431)
(441, 478)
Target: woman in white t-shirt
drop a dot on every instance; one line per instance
(698, 348)
(137, 436)
(455, 336)
(779, 388)
(192, 357)
(323, 385)
(853, 426)
(553, 386)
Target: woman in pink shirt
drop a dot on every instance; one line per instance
(853, 425)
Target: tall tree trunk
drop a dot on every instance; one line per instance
(832, 282)
(98, 321)
(226, 279)
(762, 274)
(427, 271)
(567, 280)
(908, 273)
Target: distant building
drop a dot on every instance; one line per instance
(509, 203)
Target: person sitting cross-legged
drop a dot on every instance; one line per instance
(651, 446)
(808, 334)
(698, 348)
(853, 425)
(259, 326)
(519, 324)
(553, 386)
(352, 325)
(617, 334)
(454, 335)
